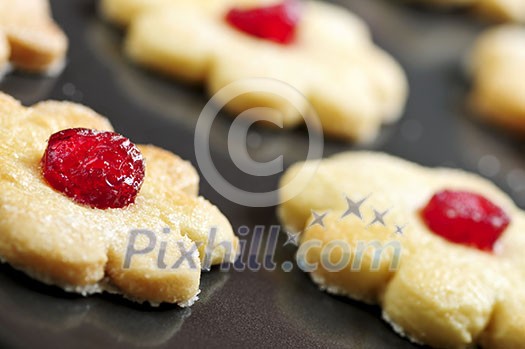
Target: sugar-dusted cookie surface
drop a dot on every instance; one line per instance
(436, 292)
(499, 10)
(498, 75)
(29, 38)
(82, 249)
(353, 85)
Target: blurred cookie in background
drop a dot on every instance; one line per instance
(29, 38)
(498, 72)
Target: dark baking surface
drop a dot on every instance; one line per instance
(249, 309)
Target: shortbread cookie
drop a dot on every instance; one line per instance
(498, 77)
(499, 10)
(83, 208)
(321, 50)
(440, 250)
(29, 38)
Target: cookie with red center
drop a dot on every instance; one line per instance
(305, 45)
(77, 201)
(441, 251)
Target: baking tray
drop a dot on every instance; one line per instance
(264, 308)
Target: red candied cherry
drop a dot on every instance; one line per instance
(275, 23)
(465, 218)
(94, 168)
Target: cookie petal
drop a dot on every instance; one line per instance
(37, 43)
(498, 92)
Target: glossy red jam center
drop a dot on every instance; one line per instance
(465, 218)
(94, 168)
(275, 23)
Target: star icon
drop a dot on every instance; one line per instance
(354, 207)
(318, 219)
(379, 217)
(293, 238)
(400, 230)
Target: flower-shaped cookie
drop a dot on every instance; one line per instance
(499, 77)
(29, 38)
(58, 241)
(499, 10)
(353, 85)
(369, 208)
